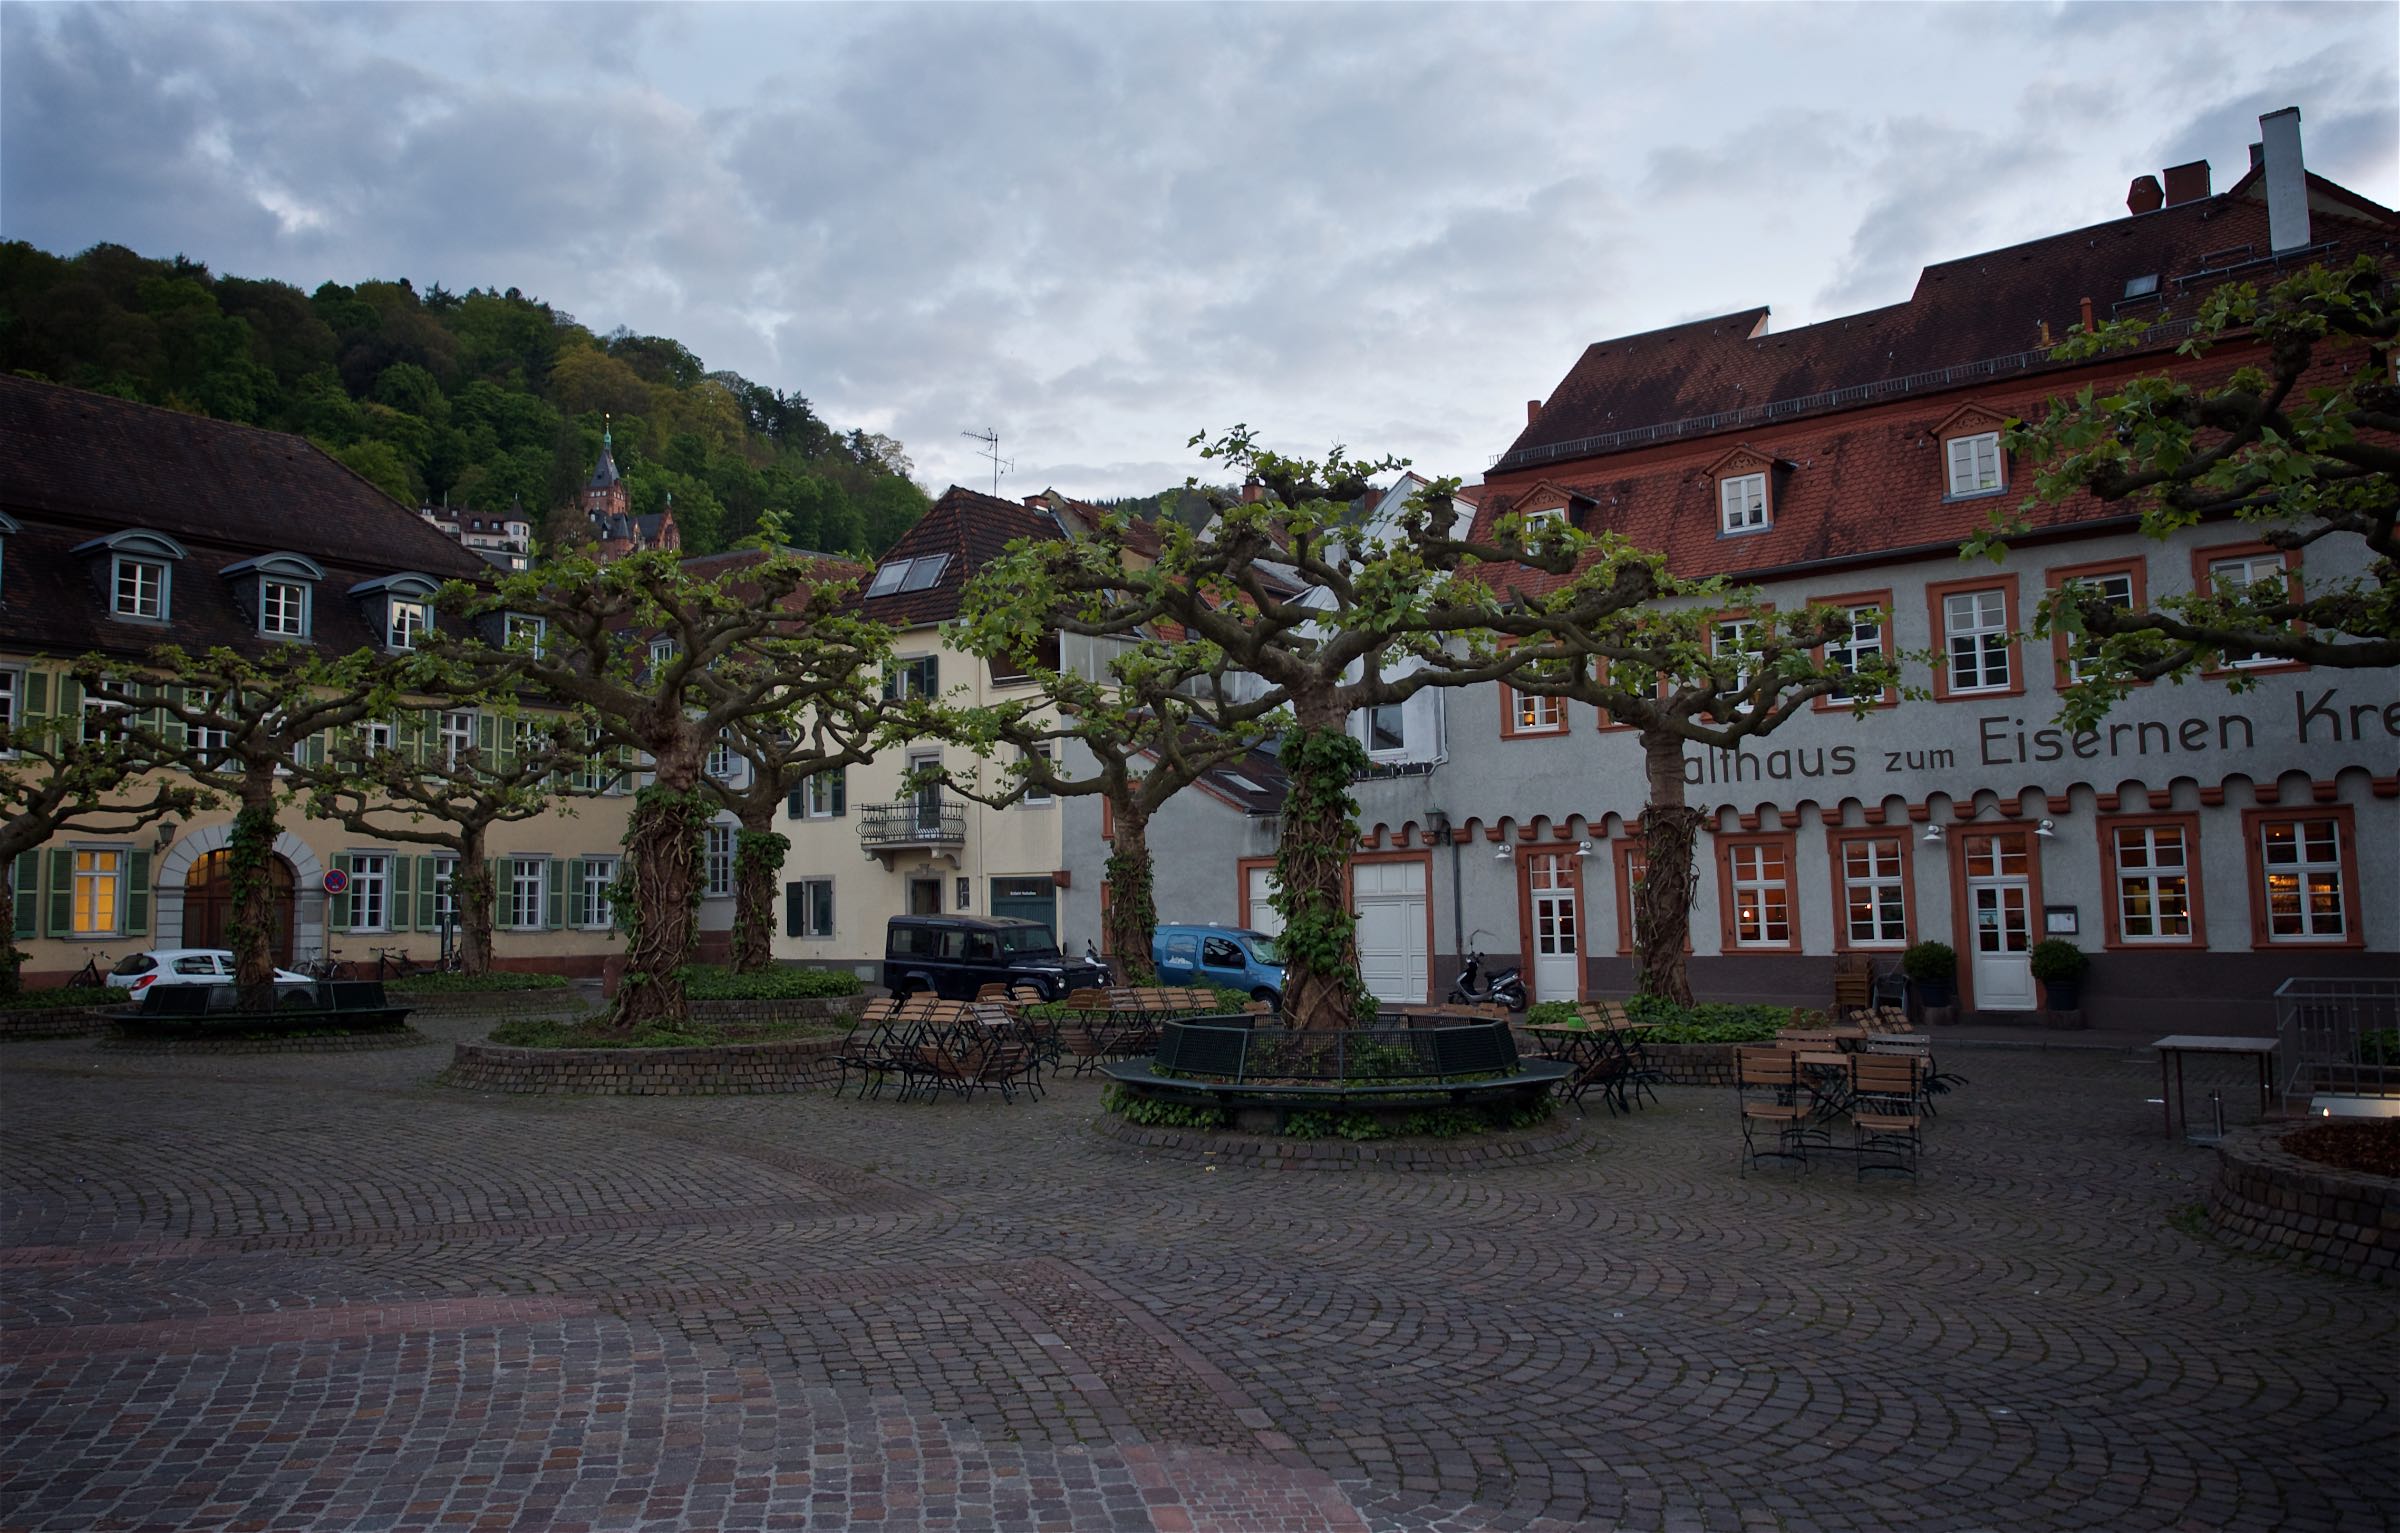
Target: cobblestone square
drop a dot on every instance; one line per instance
(319, 1292)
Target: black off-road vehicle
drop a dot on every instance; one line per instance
(955, 956)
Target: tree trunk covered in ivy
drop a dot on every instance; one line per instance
(1132, 893)
(473, 896)
(658, 895)
(758, 852)
(250, 851)
(12, 958)
(1662, 901)
(1312, 865)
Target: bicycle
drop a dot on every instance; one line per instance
(394, 963)
(325, 965)
(91, 976)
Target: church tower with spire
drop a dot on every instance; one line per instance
(608, 506)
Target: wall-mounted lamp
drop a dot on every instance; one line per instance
(1583, 848)
(2045, 830)
(1506, 851)
(1933, 835)
(166, 834)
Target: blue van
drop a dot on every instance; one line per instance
(1231, 956)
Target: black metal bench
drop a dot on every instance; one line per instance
(1232, 1064)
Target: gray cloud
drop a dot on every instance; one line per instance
(1102, 228)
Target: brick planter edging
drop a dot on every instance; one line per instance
(1562, 1135)
(724, 1069)
(2268, 1200)
(31, 1022)
(826, 1008)
(295, 1043)
(569, 1002)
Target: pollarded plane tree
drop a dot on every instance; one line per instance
(665, 663)
(443, 778)
(55, 779)
(1706, 665)
(1160, 721)
(2298, 442)
(776, 755)
(244, 728)
(1378, 617)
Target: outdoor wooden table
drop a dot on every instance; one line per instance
(1828, 1077)
(2173, 1109)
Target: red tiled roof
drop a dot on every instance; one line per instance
(973, 529)
(1992, 305)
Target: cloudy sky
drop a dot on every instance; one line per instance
(1100, 228)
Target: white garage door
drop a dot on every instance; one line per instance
(1391, 929)
(1264, 917)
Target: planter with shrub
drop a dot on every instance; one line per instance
(1932, 969)
(2060, 965)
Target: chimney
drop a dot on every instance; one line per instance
(1533, 411)
(2287, 180)
(1251, 489)
(2144, 196)
(2186, 183)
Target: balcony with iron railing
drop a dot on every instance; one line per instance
(912, 824)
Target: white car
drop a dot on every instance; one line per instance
(137, 972)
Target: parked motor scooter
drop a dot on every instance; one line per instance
(1507, 987)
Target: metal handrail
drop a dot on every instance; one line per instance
(2338, 1036)
(912, 822)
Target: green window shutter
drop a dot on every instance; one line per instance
(137, 895)
(312, 750)
(574, 891)
(416, 729)
(795, 803)
(37, 694)
(841, 791)
(25, 883)
(933, 676)
(557, 903)
(427, 918)
(62, 893)
(496, 870)
(337, 906)
(398, 897)
(794, 898)
(170, 728)
(70, 707)
(486, 730)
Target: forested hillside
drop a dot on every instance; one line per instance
(481, 398)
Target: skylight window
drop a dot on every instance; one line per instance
(1243, 783)
(2141, 287)
(924, 572)
(888, 578)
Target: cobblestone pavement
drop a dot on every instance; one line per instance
(296, 1292)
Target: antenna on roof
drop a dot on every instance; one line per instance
(990, 438)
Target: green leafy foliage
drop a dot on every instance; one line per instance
(551, 1033)
(62, 997)
(1936, 961)
(2055, 958)
(480, 401)
(1150, 1112)
(469, 984)
(1669, 1022)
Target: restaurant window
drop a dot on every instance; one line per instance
(99, 898)
(1525, 713)
(2303, 877)
(2253, 576)
(2152, 871)
(1975, 640)
(2120, 589)
(1861, 645)
(1757, 892)
(1874, 888)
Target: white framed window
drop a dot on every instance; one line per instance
(662, 653)
(1742, 503)
(456, 734)
(1874, 892)
(12, 686)
(283, 608)
(1036, 796)
(720, 762)
(140, 587)
(100, 720)
(1762, 894)
(2302, 863)
(1975, 633)
(370, 892)
(918, 677)
(1732, 638)
(210, 741)
(808, 908)
(592, 910)
(527, 737)
(1975, 464)
(1535, 714)
(444, 881)
(2115, 587)
(718, 872)
(375, 737)
(521, 632)
(1862, 646)
(821, 797)
(98, 908)
(528, 888)
(2154, 883)
(406, 622)
(2235, 577)
(1387, 728)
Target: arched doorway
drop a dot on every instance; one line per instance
(208, 903)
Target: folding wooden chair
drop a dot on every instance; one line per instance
(1767, 1094)
(1886, 1117)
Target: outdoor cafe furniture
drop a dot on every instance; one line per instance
(2173, 1106)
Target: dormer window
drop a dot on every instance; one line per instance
(1975, 464)
(662, 653)
(523, 632)
(1742, 503)
(141, 573)
(400, 607)
(281, 590)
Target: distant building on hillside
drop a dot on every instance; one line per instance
(608, 506)
(505, 541)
